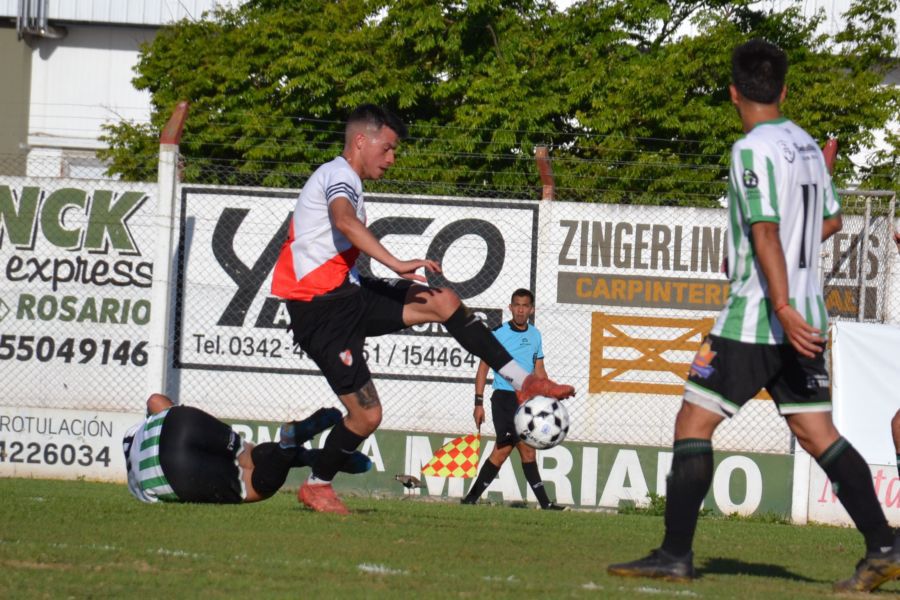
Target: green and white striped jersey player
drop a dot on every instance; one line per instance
(781, 205)
(771, 333)
(146, 480)
(778, 174)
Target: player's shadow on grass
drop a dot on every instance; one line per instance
(732, 566)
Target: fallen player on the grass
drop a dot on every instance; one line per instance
(182, 454)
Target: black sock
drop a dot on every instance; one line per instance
(687, 484)
(341, 442)
(485, 477)
(537, 485)
(851, 481)
(271, 464)
(475, 337)
(304, 457)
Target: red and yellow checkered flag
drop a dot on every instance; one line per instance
(458, 458)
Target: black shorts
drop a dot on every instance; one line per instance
(726, 374)
(504, 404)
(333, 331)
(198, 455)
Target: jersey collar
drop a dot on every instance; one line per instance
(777, 121)
(512, 326)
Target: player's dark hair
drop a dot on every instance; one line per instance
(522, 292)
(758, 69)
(376, 117)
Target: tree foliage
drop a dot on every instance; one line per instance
(632, 102)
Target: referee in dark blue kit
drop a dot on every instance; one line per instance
(523, 342)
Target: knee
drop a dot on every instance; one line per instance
(365, 422)
(814, 442)
(895, 422)
(694, 421)
(500, 454)
(527, 453)
(446, 302)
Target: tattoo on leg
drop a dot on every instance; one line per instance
(367, 396)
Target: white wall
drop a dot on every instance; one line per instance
(82, 81)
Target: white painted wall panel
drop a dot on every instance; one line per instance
(84, 80)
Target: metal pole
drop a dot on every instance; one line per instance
(20, 19)
(863, 263)
(542, 158)
(886, 260)
(158, 346)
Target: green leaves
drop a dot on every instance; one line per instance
(632, 108)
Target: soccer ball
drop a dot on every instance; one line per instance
(542, 422)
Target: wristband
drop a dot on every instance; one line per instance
(479, 400)
(785, 305)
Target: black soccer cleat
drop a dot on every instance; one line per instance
(554, 506)
(872, 571)
(658, 565)
(468, 500)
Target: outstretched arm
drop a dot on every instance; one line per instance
(344, 218)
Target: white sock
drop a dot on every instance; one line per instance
(514, 374)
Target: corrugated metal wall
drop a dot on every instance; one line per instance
(129, 12)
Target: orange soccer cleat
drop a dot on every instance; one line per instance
(539, 386)
(321, 498)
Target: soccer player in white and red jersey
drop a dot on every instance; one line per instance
(781, 206)
(333, 310)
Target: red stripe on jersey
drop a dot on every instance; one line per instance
(320, 280)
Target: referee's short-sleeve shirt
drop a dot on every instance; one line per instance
(523, 345)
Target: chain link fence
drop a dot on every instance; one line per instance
(624, 295)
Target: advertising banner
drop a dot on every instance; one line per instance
(866, 386)
(70, 444)
(638, 287)
(77, 268)
(824, 506)
(232, 334)
(588, 476)
(63, 444)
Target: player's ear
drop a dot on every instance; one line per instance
(735, 94)
(783, 94)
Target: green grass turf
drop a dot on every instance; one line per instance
(79, 539)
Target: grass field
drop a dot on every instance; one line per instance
(78, 539)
